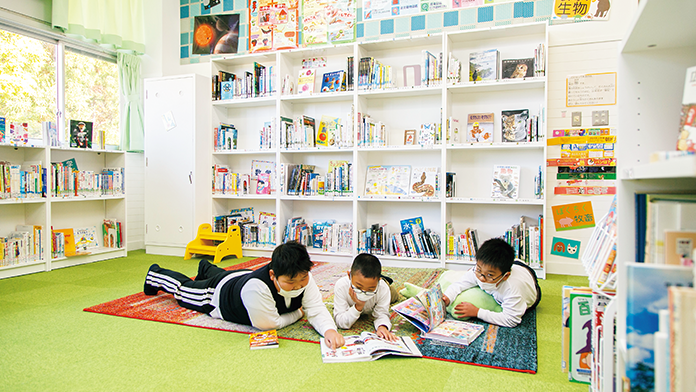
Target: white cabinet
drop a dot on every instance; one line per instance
(399, 108)
(652, 69)
(177, 161)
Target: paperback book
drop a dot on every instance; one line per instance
(333, 81)
(426, 311)
(263, 339)
(368, 347)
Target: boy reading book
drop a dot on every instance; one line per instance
(271, 297)
(512, 283)
(364, 291)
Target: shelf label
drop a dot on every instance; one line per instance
(591, 89)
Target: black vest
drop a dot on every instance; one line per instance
(231, 305)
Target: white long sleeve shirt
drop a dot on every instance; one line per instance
(344, 306)
(515, 295)
(261, 307)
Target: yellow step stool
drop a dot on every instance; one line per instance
(229, 243)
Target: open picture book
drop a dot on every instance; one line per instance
(427, 312)
(367, 347)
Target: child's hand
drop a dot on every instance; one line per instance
(358, 303)
(466, 309)
(445, 300)
(333, 339)
(384, 333)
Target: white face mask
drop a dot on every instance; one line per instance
(289, 294)
(487, 286)
(362, 296)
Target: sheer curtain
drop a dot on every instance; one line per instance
(117, 25)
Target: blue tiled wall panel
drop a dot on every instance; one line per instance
(485, 14)
(418, 22)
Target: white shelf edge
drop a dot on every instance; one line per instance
(648, 26)
(473, 200)
(682, 167)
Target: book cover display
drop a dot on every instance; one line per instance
(479, 128)
(80, 134)
(506, 182)
(333, 81)
(424, 181)
(687, 130)
(18, 133)
(517, 68)
(483, 66)
(305, 81)
(514, 125)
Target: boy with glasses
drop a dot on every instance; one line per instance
(512, 283)
(364, 291)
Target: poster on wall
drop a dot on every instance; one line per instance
(273, 25)
(565, 247)
(215, 34)
(573, 216)
(328, 21)
(581, 9)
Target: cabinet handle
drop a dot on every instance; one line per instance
(190, 178)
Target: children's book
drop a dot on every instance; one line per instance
(375, 180)
(86, 238)
(80, 134)
(514, 125)
(517, 68)
(2, 129)
(19, 133)
(579, 362)
(329, 128)
(263, 339)
(687, 124)
(368, 347)
(397, 181)
(333, 81)
(69, 241)
(424, 181)
(506, 182)
(479, 128)
(426, 311)
(263, 184)
(483, 65)
(305, 81)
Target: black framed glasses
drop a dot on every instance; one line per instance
(368, 293)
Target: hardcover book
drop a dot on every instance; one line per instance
(506, 182)
(86, 238)
(479, 128)
(333, 81)
(329, 128)
(483, 65)
(19, 133)
(80, 134)
(514, 125)
(368, 347)
(305, 81)
(517, 68)
(424, 181)
(263, 339)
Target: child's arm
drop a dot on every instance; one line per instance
(381, 309)
(315, 310)
(345, 314)
(261, 307)
(514, 308)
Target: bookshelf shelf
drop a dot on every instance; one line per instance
(402, 106)
(678, 168)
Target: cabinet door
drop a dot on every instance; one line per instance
(169, 155)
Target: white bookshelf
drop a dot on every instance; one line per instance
(62, 212)
(652, 68)
(400, 108)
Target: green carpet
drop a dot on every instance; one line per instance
(49, 344)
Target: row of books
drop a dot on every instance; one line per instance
(600, 252)
(261, 181)
(402, 180)
(526, 238)
(26, 181)
(432, 69)
(329, 236)
(486, 65)
(516, 126)
(259, 83)
(81, 241)
(302, 132)
(254, 233)
(225, 137)
(21, 246)
(413, 240)
(461, 246)
(373, 75)
(68, 182)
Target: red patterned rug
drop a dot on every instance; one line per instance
(504, 348)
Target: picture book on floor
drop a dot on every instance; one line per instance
(426, 311)
(479, 128)
(506, 182)
(368, 347)
(514, 125)
(424, 181)
(517, 68)
(263, 339)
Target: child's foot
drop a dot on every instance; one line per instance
(202, 268)
(147, 288)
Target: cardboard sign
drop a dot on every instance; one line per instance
(573, 216)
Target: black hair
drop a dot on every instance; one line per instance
(496, 253)
(290, 259)
(368, 265)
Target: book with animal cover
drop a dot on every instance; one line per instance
(483, 65)
(305, 81)
(80, 134)
(479, 127)
(263, 339)
(424, 181)
(517, 68)
(333, 81)
(368, 347)
(259, 167)
(514, 125)
(506, 182)
(426, 311)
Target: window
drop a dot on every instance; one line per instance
(28, 81)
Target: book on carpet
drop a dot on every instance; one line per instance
(263, 339)
(426, 311)
(367, 347)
